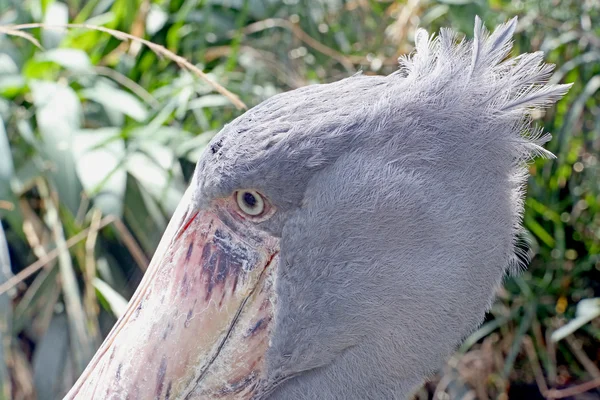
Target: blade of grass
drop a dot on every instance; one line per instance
(124, 81)
(42, 262)
(539, 231)
(52, 360)
(515, 348)
(89, 274)
(134, 248)
(574, 113)
(577, 350)
(7, 175)
(5, 319)
(486, 329)
(36, 297)
(589, 57)
(81, 339)
(535, 365)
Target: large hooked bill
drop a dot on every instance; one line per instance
(198, 325)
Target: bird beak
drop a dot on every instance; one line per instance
(198, 325)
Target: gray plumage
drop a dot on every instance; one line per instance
(399, 202)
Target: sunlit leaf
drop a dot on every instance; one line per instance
(59, 116)
(538, 231)
(212, 100)
(73, 59)
(587, 310)
(155, 20)
(192, 148)
(8, 201)
(11, 85)
(6, 165)
(458, 2)
(56, 14)
(157, 171)
(116, 100)
(99, 156)
(7, 65)
(117, 303)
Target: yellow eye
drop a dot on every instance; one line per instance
(250, 202)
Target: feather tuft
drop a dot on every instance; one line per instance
(480, 81)
(536, 97)
(480, 98)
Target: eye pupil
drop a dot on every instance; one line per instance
(250, 199)
(250, 203)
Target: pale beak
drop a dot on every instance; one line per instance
(198, 325)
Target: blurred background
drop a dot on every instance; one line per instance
(99, 135)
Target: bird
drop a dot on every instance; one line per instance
(340, 240)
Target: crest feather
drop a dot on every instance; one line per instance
(477, 77)
(473, 93)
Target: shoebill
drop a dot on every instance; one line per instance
(338, 241)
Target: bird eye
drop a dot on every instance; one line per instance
(250, 202)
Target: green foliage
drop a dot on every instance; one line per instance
(98, 137)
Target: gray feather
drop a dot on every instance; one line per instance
(535, 97)
(478, 38)
(399, 204)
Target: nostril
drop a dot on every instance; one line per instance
(215, 147)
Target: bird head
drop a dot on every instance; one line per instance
(338, 240)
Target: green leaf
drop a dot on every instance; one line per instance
(458, 2)
(539, 232)
(117, 303)
(155, 167)
(155, 20)
(7, 65)
(192, 148)
(8, 210)
(11, 82)
(5, 319)
(82, 343)
(434, 13)
(11, 85)
(565, 68)
(59, 116)
(485, 330)
(52, 361)
(6, 165)
(515, 348)
(56, 14)
(551, 43)
(75, 60)
(149, 130)
(210, 100)
(575, 111)
(39, 299)
(99, 157)
(143, 216)
(116, 100)
(587, 310)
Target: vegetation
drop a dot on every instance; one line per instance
(99, 134)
